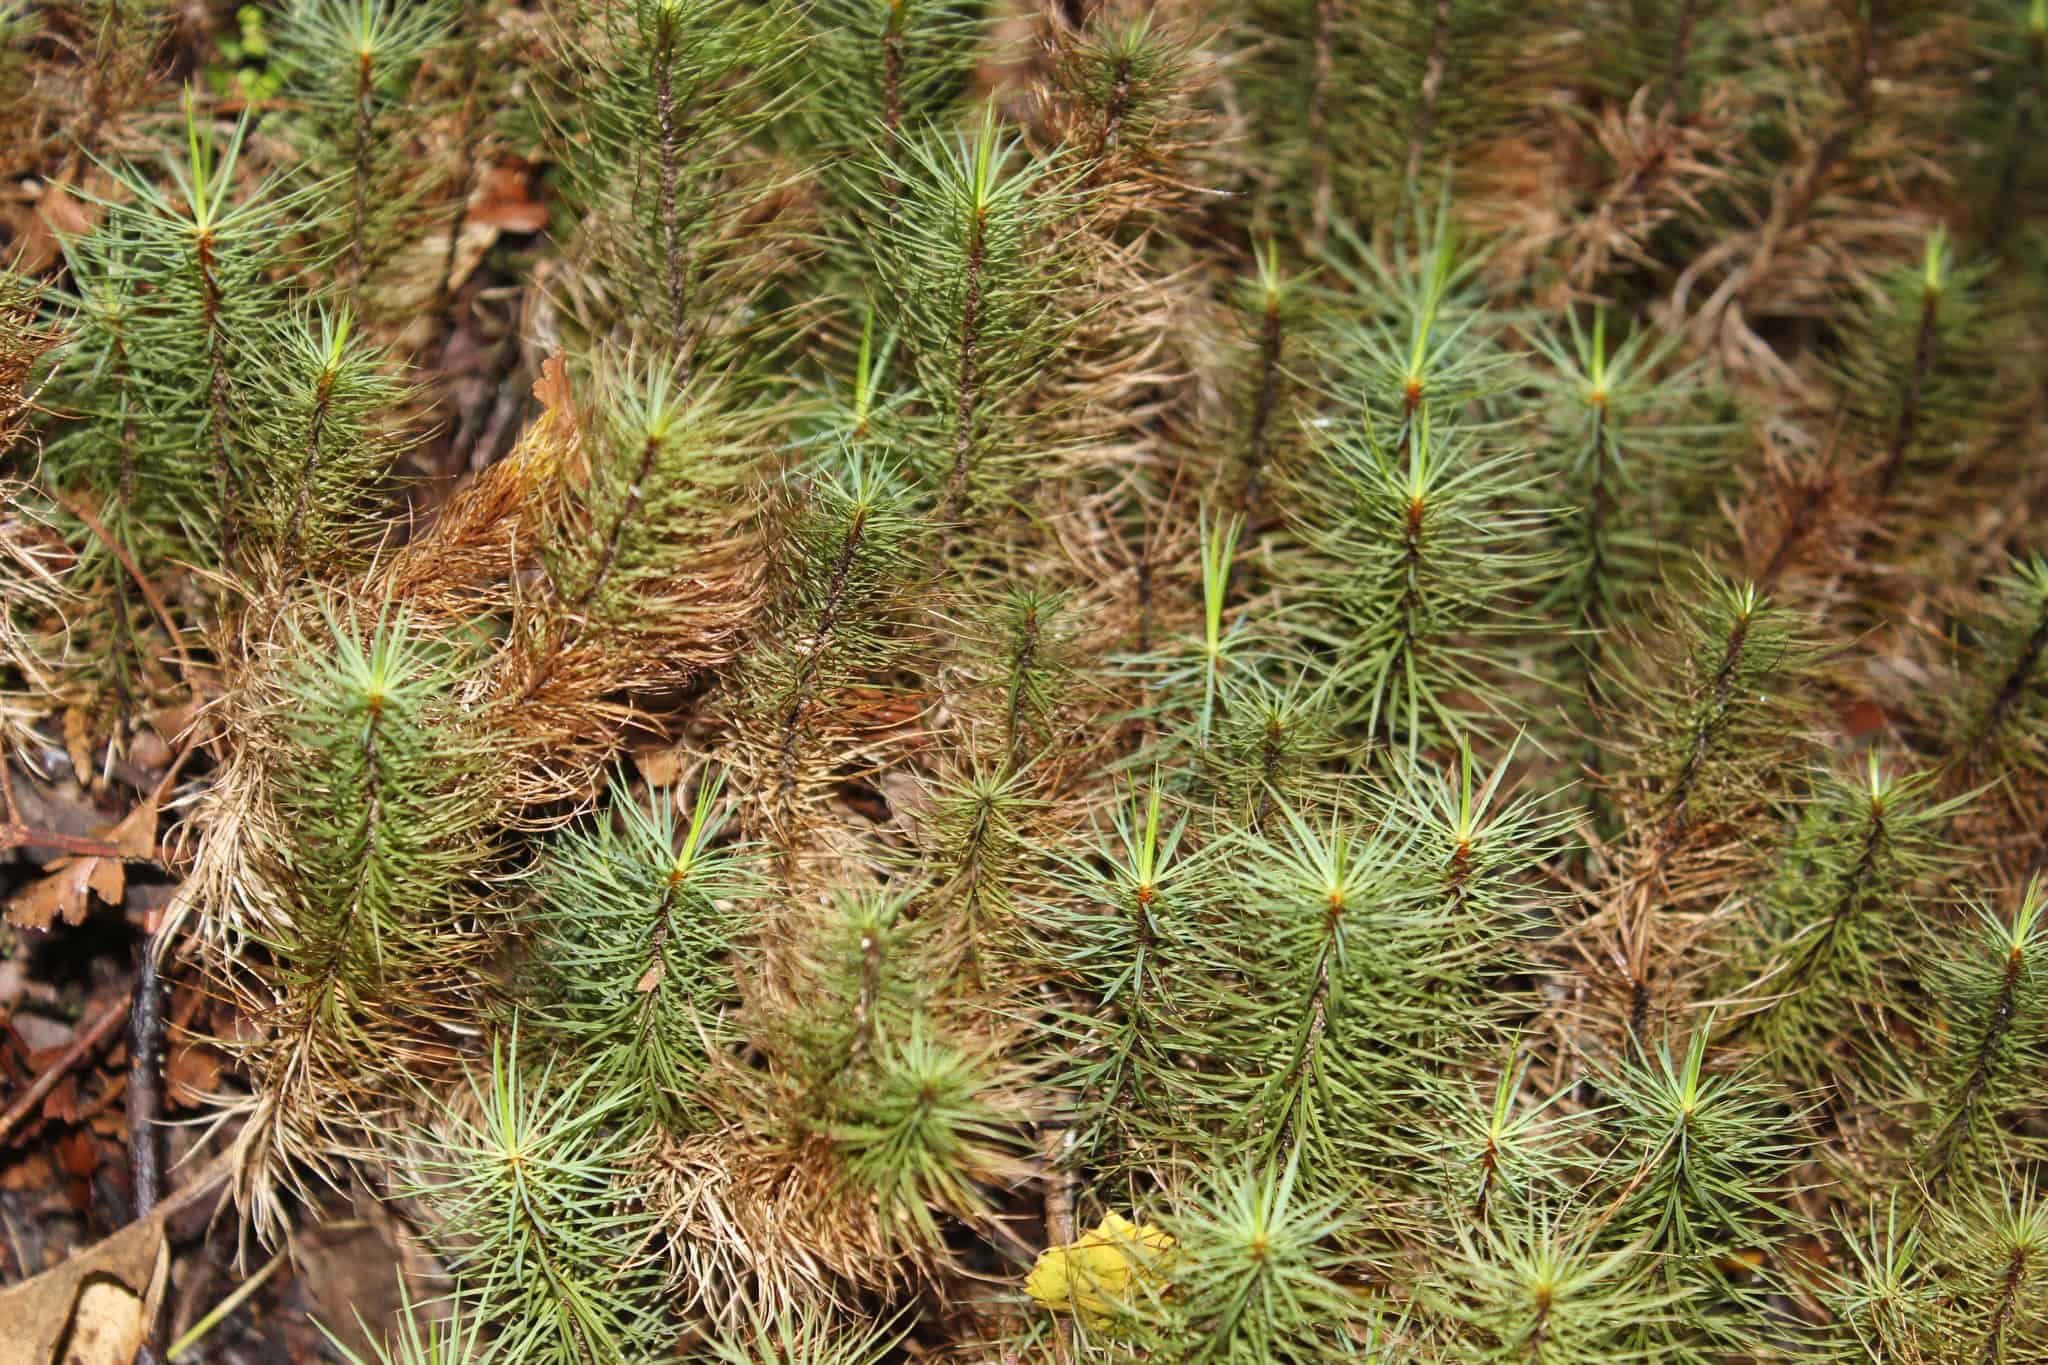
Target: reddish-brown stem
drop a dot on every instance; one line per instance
(149, 592)
(309, 465)
(359, 173)
(806, 678)
(674, 268)
(1681, 52)
(1908, 418)
(1985, 1059)
(967, 398)
(1432, 88)
(83, 1044)
(1319, 121)
(211, 302)
(1264, 398)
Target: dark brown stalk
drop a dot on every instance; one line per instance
(1323, 75)
(1600, 510)
(1909, 402)
(1638, 1009)
(2010, 689)
(2008, 1302)
(330, 960)
(371, 832)
(1847, 903)
(1850, 123)
(309, 466)
(1703, 737)
(1020, 666)
(125, 647)
(104, 102)
(616, 537)
(2023, 142)
(1458, 883)
(1411, 595)
(1269, 773)
(569, 1293)
(1808, 507)
(145, 1063)
(1798, 524)
(654, 974)
(1264, 398)
(1539, 1332)
(869, 997)
(1113, 112)
(359, 174)
(892, 92)
(1145, 591)
(973, 874)
(806, 678)
(1681, 53)
(967, 399)
(675, 273)
(466, 160)
(892, 71)
(1138, 1009)
(1839, 914)
(1790, 207)
(211, 300)
(1312, 1036)
(1432, 88)
(572, 626)
(1985, 1060)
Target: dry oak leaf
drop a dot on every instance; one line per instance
(62, 891)
(1094, 1276)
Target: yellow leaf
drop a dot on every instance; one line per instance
(1090, 1276)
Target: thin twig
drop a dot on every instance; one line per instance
(14, 833)
(81, 1047)
(1059, 1223)
(149, 592)
(226, 1307)
(145, 1059)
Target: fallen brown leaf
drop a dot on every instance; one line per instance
(42, 227)
(505, 200)
(32, 1172)
(98, 1305)
(111, 1322)
(351, 1269)
(64, 1104)
(62, 891)
(661, 766)
(77, 1154)
(191, 1071)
